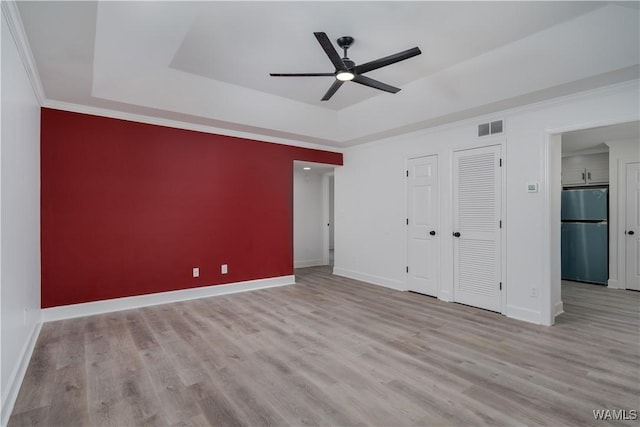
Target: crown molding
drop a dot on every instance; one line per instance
(14, 23)
(153, 120)
(632, 85)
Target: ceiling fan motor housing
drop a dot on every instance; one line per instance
(348, 63)
(345, 41)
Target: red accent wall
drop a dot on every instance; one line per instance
(130, 208)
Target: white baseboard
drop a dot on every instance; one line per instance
(308, 263)
(13, 387)
(614, 284)
(370, 278)
(127, 303)
(525, 314)
(558, 308)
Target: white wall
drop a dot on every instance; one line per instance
(307, 218)
(370, 200)
(20, 319)
(620, 154)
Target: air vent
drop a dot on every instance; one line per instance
(490, 128)
(484, 129)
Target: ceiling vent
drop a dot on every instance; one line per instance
(490, 128)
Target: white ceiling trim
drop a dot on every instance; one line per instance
(152, 120)
(14, 23)
(504, 114)
(527, 101)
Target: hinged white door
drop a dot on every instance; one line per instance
(632, 227)
(422, 225)
(477, 188)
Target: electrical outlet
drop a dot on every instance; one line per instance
(196, 272)
(224, 269)
(534, 292)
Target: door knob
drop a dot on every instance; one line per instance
(630, 233)
(432, 233)
(456, 234)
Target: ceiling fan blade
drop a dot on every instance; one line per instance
(387, 60)
(334, 87)
(330, 51)
(302, 74)
(375, 84)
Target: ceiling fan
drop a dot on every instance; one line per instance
(347, 70)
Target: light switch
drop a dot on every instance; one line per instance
(196, 272)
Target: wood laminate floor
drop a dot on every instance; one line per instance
(333, 351)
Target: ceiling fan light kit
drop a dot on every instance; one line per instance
(347, 70)
(344, 76)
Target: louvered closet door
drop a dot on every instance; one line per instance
(477, 197)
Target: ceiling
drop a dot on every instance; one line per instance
(593, 140)
(208, 63)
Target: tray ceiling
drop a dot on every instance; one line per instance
(208, 63)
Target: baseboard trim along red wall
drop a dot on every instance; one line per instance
(92, 308)
(131, 208)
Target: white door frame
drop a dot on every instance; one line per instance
(551, 186)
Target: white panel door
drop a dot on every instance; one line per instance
(632, 227)
(422, 224)
(477, 198)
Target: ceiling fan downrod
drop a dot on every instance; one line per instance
(345, 42)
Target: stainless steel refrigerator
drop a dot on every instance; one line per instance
(585, 235)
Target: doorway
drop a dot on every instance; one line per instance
(311, 213)
(584, 229)
(622, 140)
